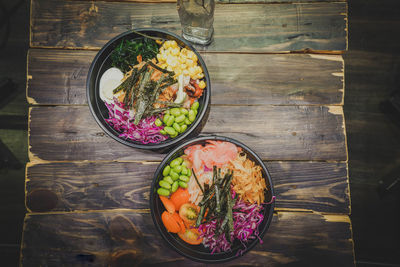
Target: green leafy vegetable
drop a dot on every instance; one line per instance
(125, 54)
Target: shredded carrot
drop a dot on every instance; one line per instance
(248, 181)
(139, 58)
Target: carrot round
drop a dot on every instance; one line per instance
(170, 223)
(180, 222)
(168, 204)
(180, 197)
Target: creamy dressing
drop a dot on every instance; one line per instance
(110, 80)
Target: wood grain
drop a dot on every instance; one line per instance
(228, 1)
(274, 132)
(111, 238)
(274, 28)
(317, 186)
(59, 77)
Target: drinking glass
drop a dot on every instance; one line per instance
(197, 17)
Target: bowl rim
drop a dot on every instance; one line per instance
(169, 143)
(172, 153)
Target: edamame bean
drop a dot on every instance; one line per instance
(163, 132)
(167, 112)
(166, 170)
(177, 127)
(195, 112)
(181, 123)
(184, 170)
(180, 118)
(184, 111)
(192, 115)
(180, 160)
(175, 135)
(184, 178)
(175, 111)
(168, 179)
(163, 192)
(164, 184)
(174, 175)
(170, 121)
(195, 105)
(189, 173)
(183, 128)
(158, 122)
(166, 117)
(170, 130)
(182, 184)
(175, 162)
(174, 186)
(187, 121)
(184, 164)
(178, 169)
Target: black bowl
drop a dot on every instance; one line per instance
(199, 252)
(98, 109)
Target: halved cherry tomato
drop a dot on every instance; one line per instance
(191, 236)
(170, 223)
(189, 212)
(180, 197)
(180, 222)
(168, 204)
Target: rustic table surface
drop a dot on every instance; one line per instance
(88, 196)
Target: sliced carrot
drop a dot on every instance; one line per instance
(180, 222)
(168, 204)
(170, 223)
(180, 197)
(139, 58)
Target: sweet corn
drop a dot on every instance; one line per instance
(202, 84)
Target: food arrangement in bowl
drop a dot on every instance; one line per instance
(215, 196)
(151, 87)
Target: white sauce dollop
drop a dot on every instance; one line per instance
(110, 80)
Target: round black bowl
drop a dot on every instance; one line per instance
(199, 252)
(98, 109)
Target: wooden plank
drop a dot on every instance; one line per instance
(59, 77)
(274, 28)
(228, 1)
(113, 238)
(283, 133)
(317, 186)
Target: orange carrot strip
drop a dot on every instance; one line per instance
(170, 223)
(180, 222)
(139, 58)
(168, 204)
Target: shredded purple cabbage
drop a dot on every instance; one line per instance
(145, 132)
(246, 220)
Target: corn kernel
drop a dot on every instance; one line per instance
(173, 43)
(175, 51)
(163, 66)
(182, 66)
(190, 63)
(202, 84)
(194, 57)
(159, 58)
(169, 68)
(190, 54)
(185, 72)
(197, 69)
(200, 75)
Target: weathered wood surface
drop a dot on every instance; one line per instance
(65, 133)
(59, 77)
(251, 28)
(72, 186)
(227, 1)
(114, 238)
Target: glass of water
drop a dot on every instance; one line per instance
(197, 17)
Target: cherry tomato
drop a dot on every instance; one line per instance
(191, 236)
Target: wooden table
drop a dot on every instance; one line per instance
(87, 195)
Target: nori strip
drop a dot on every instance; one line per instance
(142, 102)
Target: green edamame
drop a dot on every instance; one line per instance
(192, 115)
(184, 111)
(158, 122)
(183, 128)
(174, 186)
(178, 169)
(174, 135)
(184, 164)
(177, 127)
(170, 121)
(189, 173)
(166, 117)
(163, 192)
(184, 170)
(166, 170)
(164, 184)
(195, 106)
(163, 132)
(180, 118)
(175, 111)
(168, 179)
(174, 175)
(184, 178)
(182, 184)
(171, 131)
(187, 121)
